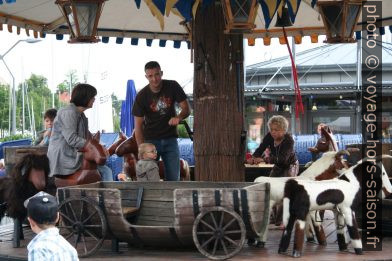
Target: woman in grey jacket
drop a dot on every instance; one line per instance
(70, 132)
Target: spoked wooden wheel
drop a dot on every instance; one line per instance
(83, 224)
(219, 233)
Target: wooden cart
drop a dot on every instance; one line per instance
(215, 217)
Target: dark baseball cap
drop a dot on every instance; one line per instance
(42, 208)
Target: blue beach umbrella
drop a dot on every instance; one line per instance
(127, 122)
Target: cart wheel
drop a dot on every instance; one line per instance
(219, 233)
(83, 224)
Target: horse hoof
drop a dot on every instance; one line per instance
(310, 240)
(358, 251)
(282, 252)
(323, 243)
(260, 244)
(296, 253)
(251, 241)
(343, 248)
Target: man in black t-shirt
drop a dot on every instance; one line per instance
(156, 120)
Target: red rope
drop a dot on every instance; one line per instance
(299, 107)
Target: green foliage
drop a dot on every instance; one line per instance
(63, 87)
(182, 133)
(15, 137)
(4, 110)
(116, 104)
(38, 98)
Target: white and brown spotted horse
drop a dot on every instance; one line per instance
(343, 194)
(326, 167)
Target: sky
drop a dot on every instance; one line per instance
(110, 66)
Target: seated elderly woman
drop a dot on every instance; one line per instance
(277, 148)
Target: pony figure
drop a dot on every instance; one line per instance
(114, 146)
(343, 194)
(93, 154)
(29, 176)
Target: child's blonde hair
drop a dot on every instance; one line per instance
(143, 148)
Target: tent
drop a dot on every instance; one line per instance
(127, 122)
(164, 19)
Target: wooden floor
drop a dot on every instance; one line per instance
(311, 251)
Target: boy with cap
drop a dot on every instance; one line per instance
(48, 244)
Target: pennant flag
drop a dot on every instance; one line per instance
(185, 9)
(293, 6)
(194, 8)
(160, 5)
(157, 11)
(269, 8)
(138, 3)
(169, 6)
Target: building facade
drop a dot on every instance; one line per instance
(330, 81)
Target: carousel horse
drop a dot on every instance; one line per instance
(326, 143)
(113, 147)
(29, 176)
(93, 154)
(129, 150)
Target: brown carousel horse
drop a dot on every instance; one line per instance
(129, 150)
(29, 176)
(326, 143)
(93, 154)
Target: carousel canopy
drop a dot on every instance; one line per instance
(165, 19)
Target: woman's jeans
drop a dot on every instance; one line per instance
(168, 150)
(106, 173)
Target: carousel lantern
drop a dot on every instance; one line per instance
(82, 17)
(340, 18)
(239, 15)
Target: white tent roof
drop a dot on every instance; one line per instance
(122, 18)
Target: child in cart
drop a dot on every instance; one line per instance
(146, 167)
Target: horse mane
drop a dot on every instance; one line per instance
(16, 187)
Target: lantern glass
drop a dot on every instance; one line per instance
(240, 10)
(351, 18)
(333, 17)
(340, 18)
(86, 13)
(239, 15)
(82, 17)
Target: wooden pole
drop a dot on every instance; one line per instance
(218, 98)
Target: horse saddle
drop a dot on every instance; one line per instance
(78, 178)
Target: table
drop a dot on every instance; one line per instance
(254, 171)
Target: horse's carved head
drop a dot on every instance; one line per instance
(32, 168)
(114, 146)
(128, 146)
(328, 143)
(94, 151)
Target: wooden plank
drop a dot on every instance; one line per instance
(159, 212)
(155, 218)
(142, 222)
(157, 204)
(173, 185)
(12, 155)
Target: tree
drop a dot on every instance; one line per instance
(4, 109)
(116, 104)
(218, 99)
(38, 97)
(71, 79)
